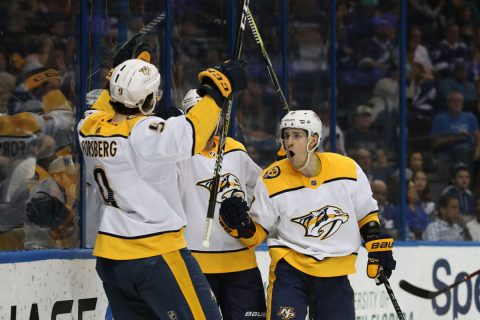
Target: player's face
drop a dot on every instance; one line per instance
(295, 142)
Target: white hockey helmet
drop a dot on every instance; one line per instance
(134, 82)
(191, 98)
(302, 119)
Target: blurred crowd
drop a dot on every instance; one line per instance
(39, 170)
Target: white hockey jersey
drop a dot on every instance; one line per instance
(133, 163)
(314, 223)
(239, 172)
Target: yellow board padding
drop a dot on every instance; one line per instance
(180, 272)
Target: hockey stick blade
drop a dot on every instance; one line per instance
(419, 292)
(426, 294)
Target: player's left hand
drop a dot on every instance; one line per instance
(135, 48)
(166, 113)
(380, 257)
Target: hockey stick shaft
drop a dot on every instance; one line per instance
(427, 294)
(146, 29)
(223, 136)
(395, 304)
(266, 59)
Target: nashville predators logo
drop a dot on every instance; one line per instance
(228, 184)
(286, 313)
(272, 173)
(322, 223)
(145, 70)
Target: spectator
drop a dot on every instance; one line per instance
(420, 180)
(387, 212)
(364, 159)
(421, 54)
(459, 190)
(324, 114)
(458, 83)
(449, 225)
(417, 217)
(362, 135)
(450, 49)
(376, 53)
(474, 225)
(455, 135)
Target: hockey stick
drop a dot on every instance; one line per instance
(146, 29)
(426, 294)
(396, 306)
(223, 136)
(266, 59)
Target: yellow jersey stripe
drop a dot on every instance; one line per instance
(260, 235)
(371, 216)
(328, 267)
(221, 261)
(122, 248)
(180, 272)
(100, 125)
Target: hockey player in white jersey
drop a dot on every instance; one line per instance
(315, 209)
(142, 259)
(230, 266)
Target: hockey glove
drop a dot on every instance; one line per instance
(46, 211)
(380, 256)
(166, 113)
(134, 48)
(234, 218)
(220, 82)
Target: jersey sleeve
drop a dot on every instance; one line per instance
(366, 208)
(253, 172)
(262, 210)
(162, 141)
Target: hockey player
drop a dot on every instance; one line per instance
(315, 208)
(142, 259)
(230, 266)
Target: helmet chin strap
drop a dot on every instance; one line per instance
(309, 154)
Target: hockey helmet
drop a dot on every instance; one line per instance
(136, 84)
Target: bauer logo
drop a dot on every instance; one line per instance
(322, 223)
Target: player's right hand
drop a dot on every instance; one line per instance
(380, 257)
(221, 81)
(234, 218)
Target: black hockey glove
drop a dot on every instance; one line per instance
(221, 81)
(166, 113)
(134, 48)
(380, 256)
(234, 218)
(46, 211)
